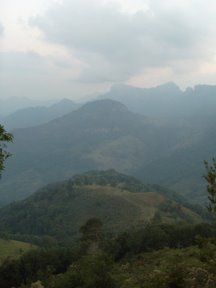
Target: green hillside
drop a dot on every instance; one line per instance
(119, 201)
(13, 249)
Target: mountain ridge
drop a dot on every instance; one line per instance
(37, 115)
(120, 201)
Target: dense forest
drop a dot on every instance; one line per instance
(155, 256)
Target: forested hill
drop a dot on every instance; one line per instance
(105, 134)
(119, 201)
(100, 135)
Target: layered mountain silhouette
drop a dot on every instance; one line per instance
(37, 115)
(100, 135)
(167, 149)
(12, 104)
(166, 100)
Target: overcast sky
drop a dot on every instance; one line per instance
(72, 48)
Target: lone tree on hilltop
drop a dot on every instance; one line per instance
(4, 154)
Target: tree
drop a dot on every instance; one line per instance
(210, 177)
(91, 271)
(91, 230)
(4, 154)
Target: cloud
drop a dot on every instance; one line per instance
(1, 30)
(34, 76)
(21, 73)
(115, 46)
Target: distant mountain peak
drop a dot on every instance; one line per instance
(104, 105)
(122, 86)
(66, 100)
(63, 102)
(168, 86)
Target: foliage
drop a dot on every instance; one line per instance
(111, 178)
(159, 255)
(168, 268)
(13, 249)
(37, 285)
(157, 236)
(210, 177)
(4, 154)
(91, 271)
(91, 230)
(59, 209)
(36, 264)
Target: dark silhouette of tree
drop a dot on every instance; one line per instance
(91, 230)
(4, 138)
(210, 177)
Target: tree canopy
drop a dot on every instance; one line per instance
(210, 177)
(4, 138)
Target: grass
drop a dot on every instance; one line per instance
(13, 249)
(60, 211)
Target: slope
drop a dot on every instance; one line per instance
(183, 169)
(13, 249)
(100, 135)
(104, 135)
(120, 201)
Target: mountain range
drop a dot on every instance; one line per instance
(167, 147)
(166, 101)
(37, 115)
(12, 104)
(100, 135)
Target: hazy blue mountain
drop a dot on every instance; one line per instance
(33, 116)
(183, 169)
(104, 134)
(12, 104)
(155, 102)
(166, 100)
(100, 135)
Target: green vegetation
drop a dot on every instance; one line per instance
(210, 178)
(104, 228)
(121, 202)
(167, 268)
(4, 138)
(126, 238)
(13, 249)
(111, 178)
(157, 256)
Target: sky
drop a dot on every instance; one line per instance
(72, 48)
